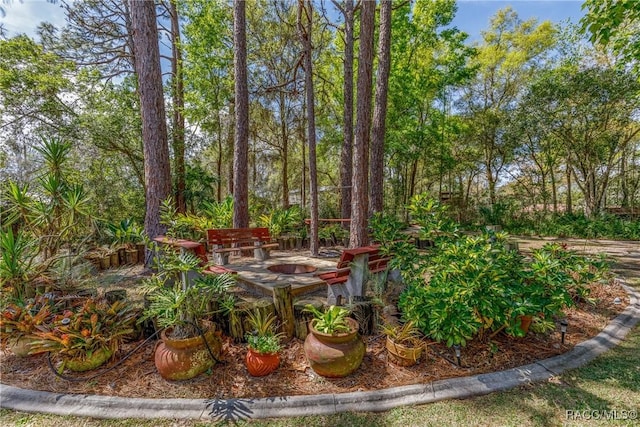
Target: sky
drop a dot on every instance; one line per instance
(472, 17)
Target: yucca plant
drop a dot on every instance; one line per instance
(17, 255)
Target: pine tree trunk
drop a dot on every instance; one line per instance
(376, 166)
(346, 159)
(305, 37)
(178, 108)
(154, 131)
(241, 148)
(360, 195)
(285, 152)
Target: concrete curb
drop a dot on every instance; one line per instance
(371, 401)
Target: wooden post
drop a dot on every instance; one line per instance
(363, 310)
(236, 320)
(283, 301)
(264, 305)
(302, 318)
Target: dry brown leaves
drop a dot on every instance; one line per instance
(137, 376)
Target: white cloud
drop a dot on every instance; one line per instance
(23, 17)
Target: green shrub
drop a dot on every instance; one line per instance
(473, 286)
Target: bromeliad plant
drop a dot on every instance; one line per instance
(95, 326)
(20, 320)
(406, 334)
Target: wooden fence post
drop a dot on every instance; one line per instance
(283, 301)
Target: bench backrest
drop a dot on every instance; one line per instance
(226, 236)
(347, 256)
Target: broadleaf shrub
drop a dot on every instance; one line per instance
(473, 286)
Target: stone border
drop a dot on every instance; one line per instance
(370, 401)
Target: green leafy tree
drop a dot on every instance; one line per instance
(615, 23)
(33, 88)
(428, 62)
(509, 55)
(592, 113)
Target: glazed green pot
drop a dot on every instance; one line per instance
(97, 359)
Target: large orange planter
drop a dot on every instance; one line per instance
(261, 364)
(336, 355)
(183, 359)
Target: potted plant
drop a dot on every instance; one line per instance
(404, 343)
(333, 346)
(85, 338)
(190, 344)
(263, 344)
(18, 323)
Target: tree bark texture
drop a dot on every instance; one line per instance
(360, 195)
(178, 108)
(305, 12)
(376, 165)
(285, 150)
(154, 130)
(241, 148)
(346, 159)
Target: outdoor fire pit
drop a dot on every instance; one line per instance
(291, 268)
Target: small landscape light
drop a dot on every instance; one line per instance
(563, 328)
(617, 301)
(456, 347)
(65, 321)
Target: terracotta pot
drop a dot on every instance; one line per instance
(337, 355)
(525, 322)
(261, 364)
(403, 355)
(97, 359)
(183, 359)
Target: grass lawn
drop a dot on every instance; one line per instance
(609, 383)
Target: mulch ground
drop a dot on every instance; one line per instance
(137, 376)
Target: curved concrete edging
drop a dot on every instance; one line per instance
(370, 401)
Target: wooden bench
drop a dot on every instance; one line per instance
(353, 269)
(224, 241)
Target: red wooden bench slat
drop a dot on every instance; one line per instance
(335, 280)
(377, 263)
